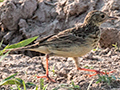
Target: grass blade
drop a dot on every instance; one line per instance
(24, 85)
(45, 87)
(1, 43)
(2, 51)
(29, 84)
(1, 0)
(36, 88)
(90, 84)
(22, 43)
(7, 80)
(4, 56)
(41, 84)
(18, 87)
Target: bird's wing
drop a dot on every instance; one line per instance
(66, 37)
(44, 39)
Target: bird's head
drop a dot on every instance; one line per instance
(97, 17)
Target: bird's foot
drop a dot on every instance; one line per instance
(47, 77)
(96, 71)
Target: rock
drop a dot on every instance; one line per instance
(109, 36)
(7, 37)
(30, 18)
(11, 11)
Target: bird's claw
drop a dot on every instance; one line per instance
(47, 77)
(98, 72)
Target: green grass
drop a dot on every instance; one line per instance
(71, 86)
(42, 86)
(2, 51)
(22, 43)
(53, 70)
(13, 46)
(89, 67)
(105, 79)
(4, 56)
(22, 85)
(1, 0)
(115, 46)
(11, 80)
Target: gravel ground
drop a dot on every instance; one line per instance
(65, 71)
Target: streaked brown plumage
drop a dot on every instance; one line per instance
(74, 42)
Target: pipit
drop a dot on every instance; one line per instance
(74, 42)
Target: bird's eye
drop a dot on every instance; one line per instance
(102, 16)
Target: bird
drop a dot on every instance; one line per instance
(73, 42)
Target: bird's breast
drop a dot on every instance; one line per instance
(73, 51)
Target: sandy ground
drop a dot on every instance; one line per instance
(65, 71)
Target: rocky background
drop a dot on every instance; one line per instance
(22, 19)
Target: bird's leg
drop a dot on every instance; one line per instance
(47, 73)
(90, 70)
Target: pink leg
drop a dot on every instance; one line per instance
(47, 73)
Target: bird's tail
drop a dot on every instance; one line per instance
(31, 47)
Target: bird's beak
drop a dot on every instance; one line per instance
(111, 18)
